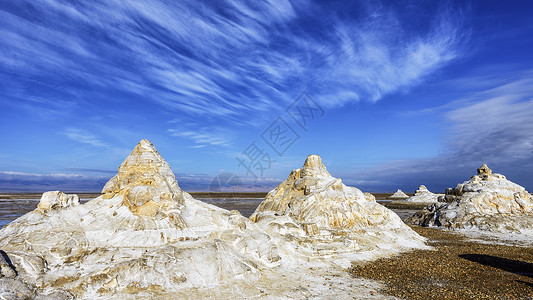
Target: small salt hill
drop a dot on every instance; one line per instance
(145, 238)
(319, 211)
(399, 195)
(423, 195)
(486, 202)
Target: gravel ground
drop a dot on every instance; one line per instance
(458, 269)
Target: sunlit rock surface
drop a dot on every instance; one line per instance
(57, 200)
(145, 238)
(328, 218)
(399, 195)
(486, 202)
(423, 195)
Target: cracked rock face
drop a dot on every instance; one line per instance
(317, 207)
(487, 201)
(423, 195)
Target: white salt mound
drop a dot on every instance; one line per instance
(399, 195)
(486, 202)
(321, 213)
(145, 238)
(423, 195)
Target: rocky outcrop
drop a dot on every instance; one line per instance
(399, 195)
(486, 202)
(423, 195)
(315, 206)
(145, 238)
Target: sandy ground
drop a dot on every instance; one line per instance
(460, 268)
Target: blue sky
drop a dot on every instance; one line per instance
(402, 93)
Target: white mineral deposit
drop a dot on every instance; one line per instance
(423, 195)
(399, 195)
(144, 237)
(487, 202)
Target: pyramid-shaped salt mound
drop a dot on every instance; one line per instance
(316, 206)
(423, 195)
(487, 202)
(143, 235)
(399, 195)
(145, 182)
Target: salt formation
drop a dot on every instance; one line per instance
(145, 237)
(57, 200)
(423, 195)
(399, 195)
(487, 202)
(318, 210)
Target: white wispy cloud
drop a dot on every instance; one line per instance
(202, 137)
(377, 56)
(83, 136)
(498, 127)
(239, 60)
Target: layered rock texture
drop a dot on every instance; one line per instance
(423, 195)
(486, 202)
(399, 195)
(145, 238)
(318, 210)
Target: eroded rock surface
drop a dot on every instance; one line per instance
(145, 183)
(423, 195)
(487, 202)
(57, 200)
(145, 237)
(322, 213)
(399, 195)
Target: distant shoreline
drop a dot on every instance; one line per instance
(86, 195)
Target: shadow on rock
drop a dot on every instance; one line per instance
(509, 265)
(6, 266)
